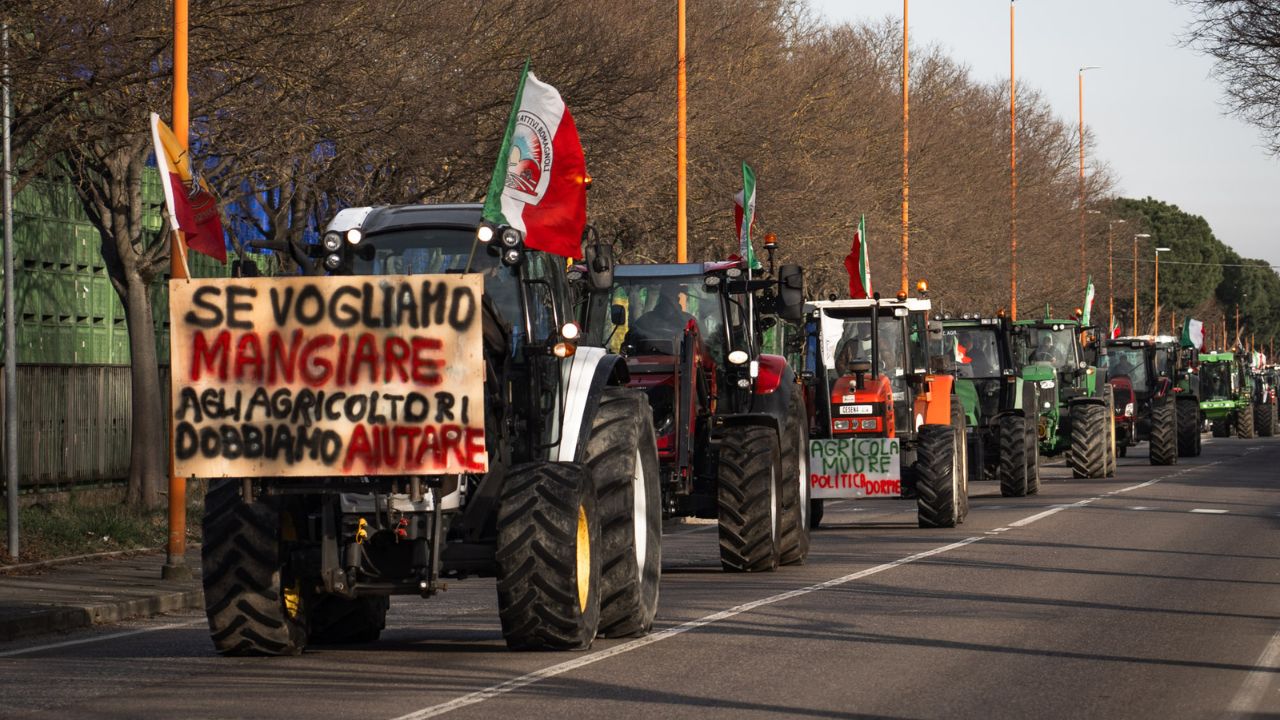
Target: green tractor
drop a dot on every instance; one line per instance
(1000, 404)
(1226, 392)
(1076, 417)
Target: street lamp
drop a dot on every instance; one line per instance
(1135, 279)
(1111, 288)
(1155, 303)
(1080, 76)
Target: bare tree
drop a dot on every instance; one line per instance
(1243, 37)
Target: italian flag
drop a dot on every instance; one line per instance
(1088, 304)
(539, 184)
(858, 265)
(1192, 334)
(744, 216)
(192, 207)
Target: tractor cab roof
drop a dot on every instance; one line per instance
(969, 320)
(383, 218)
(911, 304)
(1217, 357)
(671, 270)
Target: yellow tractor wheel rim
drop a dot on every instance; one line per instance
(584, 559)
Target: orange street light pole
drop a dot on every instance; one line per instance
(682, 196)
(175, 565)
(1013, 175)
(1080, 78)
(906, 144)
(1134, 329)
(1111, 288)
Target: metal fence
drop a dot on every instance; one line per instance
(73, 424)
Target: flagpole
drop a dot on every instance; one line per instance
(175, 565)
(1080, 77)
(906, 145)
(1013, 176)
(682, 197)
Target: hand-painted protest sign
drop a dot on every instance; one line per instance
(327, 376)
(855, 467)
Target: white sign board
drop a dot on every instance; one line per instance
(855, 467)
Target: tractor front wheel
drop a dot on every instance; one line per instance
(1087, 453)
(1264, 420)
(750, 499)
(1164, 431)
(1014, 470)
(1188, 427)
(548, 554)
(937, 479)
(795, 485)
(1244, 422)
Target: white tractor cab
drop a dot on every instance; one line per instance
(885, 419)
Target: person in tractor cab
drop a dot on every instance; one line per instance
(1045, 351)
(855, 345)
(664, 320)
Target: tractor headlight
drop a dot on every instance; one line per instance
(332, 241)
(1128, 409)
(332, 261)
(354, 236)
(512, 256)
(511, 238)
(738, 357)
(484, 233)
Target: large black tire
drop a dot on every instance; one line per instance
(1244, 422)
(1087, 453)
(1264, 419)
(750, 499)
(1188, 427)
(1164, 431)
(794, 538)
(937, 482)
(335, 620)
(1220, 429)
(1033, 459)
(1110, 422)
(241, 558)
(622, 458)
(1014, 470)
(548, 557)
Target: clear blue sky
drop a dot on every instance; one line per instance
(1155, 111)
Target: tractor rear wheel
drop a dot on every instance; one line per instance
(1110, 422)
(1221, 429)
(622, 459)
(336, 620)
(1033, 459)
(1244, 422)
(958, 422)
(794, 542)
(548, 554)
(1087, 453)
(242, 561)
(750, 499)
(937, 480)
(1163, 446)
(1014, 470)
(1188, 427)
(815, 513)
(1264, 419)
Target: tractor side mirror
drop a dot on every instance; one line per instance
(600, 261)
(791, 293)
(618, 314)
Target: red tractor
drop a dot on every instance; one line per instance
(730, 419)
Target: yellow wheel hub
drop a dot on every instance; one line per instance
(584, 559)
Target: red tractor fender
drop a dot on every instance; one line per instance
(772, 370)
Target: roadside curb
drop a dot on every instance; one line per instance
(41, 621)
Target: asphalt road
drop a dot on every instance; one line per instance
(1151, 595)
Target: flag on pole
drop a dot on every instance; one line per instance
(539, 184)
(744, 215)
(1115, 329)
(858, 264)
(1193, 334)
(1088, 303)
(192, 207)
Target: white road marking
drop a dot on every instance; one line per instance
(595, 657)
(98, 638)
(1141, 507)
(1209, 511)
(1254, 688)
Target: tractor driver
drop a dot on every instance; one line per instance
(854, 346)
(1045, 351)
(664, 320)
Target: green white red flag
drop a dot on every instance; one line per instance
(858, 264)
(539, 184)
(744, 216)
(1087, 310)
(1192, 334)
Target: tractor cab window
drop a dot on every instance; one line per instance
(977, 351)
(1130, 362)
(1056, 347)
(918, 341)
(658, 309)
(846, 339)
(444, 251)
(1215, 380)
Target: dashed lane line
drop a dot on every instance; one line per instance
(98, 638)
(1209, 511)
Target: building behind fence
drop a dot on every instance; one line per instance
(73, 343)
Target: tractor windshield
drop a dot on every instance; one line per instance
(1053, 345)
(1130, 362)
(446, 250)
(1215, 380)
(847, 337)
(977, 351)
(657, 310)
